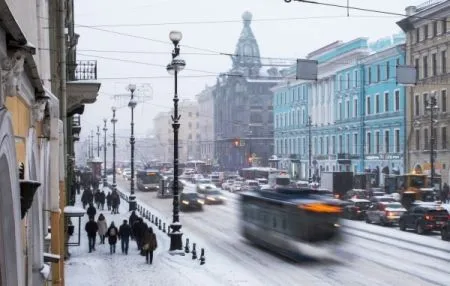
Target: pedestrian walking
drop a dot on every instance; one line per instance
(109, 201)
(112, 234)
(85, 198)
(115, 202)
(124, 236)
(97, 198)
(102, 199)
(133, 218)
(91, 211)
(149, 244)
(445, 193)
(102, 228)
(91, 229)
(139, 228)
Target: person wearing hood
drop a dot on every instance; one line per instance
(133, 218)
(112, 234)
(102, 228)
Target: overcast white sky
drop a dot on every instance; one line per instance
(156, 18)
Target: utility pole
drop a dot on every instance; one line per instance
(432, 107)
(310, 147)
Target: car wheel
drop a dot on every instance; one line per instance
(419, 228)
(444, 234)
(402, 225)
(366, 218)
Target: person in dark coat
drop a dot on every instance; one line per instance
(97, 198)
(139, 229)
(113, 234)
(91, 228)
(85, 198)
(91, 211)
(109, 200)
(115, 202)
(445, 193)
(149, 244)
(124, 236)
(133, 218)
(102, 199)
(90, 196)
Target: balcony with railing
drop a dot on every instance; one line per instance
(82, 84)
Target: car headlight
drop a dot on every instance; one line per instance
(201, 202)
(185, 202)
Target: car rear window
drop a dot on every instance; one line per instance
(394, 206)
(437, 212)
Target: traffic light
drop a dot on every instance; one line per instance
(250, 159)
(236, 142)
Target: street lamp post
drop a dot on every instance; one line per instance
(114, 121)
(310, 147)
(91, 143)
(98, 141)
(105, 182)
(176, 65)
(132, 104)
(432, 107)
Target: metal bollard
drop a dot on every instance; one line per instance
(152, 218)
(164, 227)
(194, 252)
(168, 230)
(202, 257)
(186, 247)
(159, 224)
(156, 221)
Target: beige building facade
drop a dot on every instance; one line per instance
(427, 48)
(205, 101)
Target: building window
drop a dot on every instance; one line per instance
(417, 139)
(397, 140)
(386, 141)
(355, 107)
(444, 137)
(417, 65)
(434, 136)
(386, 102)
(417, 35)
(433, 65)
(348, 80)
(368, 105)
(425, 100)
(435, 28)
(444, 61)
(355, 143)
(348, 143)
(387, 71)
(333, 145)
(340, 111)
(368, 143)
(444, 100)
(347, 109)
(426, 140)
(340, 144)
(444, 26)
(327, 140)
(190, 114)
(190, 125)
(378, 73)
(425, 66)
(377, 142)
(425, 32)
(377, 103)
(355, 78)
(340, 82)
(369, 74)
(397, 100)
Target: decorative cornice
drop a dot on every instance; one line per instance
(11, 69)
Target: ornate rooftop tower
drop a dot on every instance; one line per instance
(247, 59)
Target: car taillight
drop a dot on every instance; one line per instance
(428, 217)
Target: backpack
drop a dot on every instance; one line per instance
(112, 232)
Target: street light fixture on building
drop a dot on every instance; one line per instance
(174, 67)
(132, 104)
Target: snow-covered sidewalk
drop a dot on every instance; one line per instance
(102, 268)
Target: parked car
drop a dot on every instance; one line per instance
(384, 213)
(382, 199)
(356, 208)
(424, 218)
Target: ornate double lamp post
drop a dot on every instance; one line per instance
(105, 182)
(132, 104)
(114, 121)
(174, 67)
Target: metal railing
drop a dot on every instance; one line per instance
(82, 70)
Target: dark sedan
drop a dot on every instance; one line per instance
(191, 201)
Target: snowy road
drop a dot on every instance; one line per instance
(374, 255)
